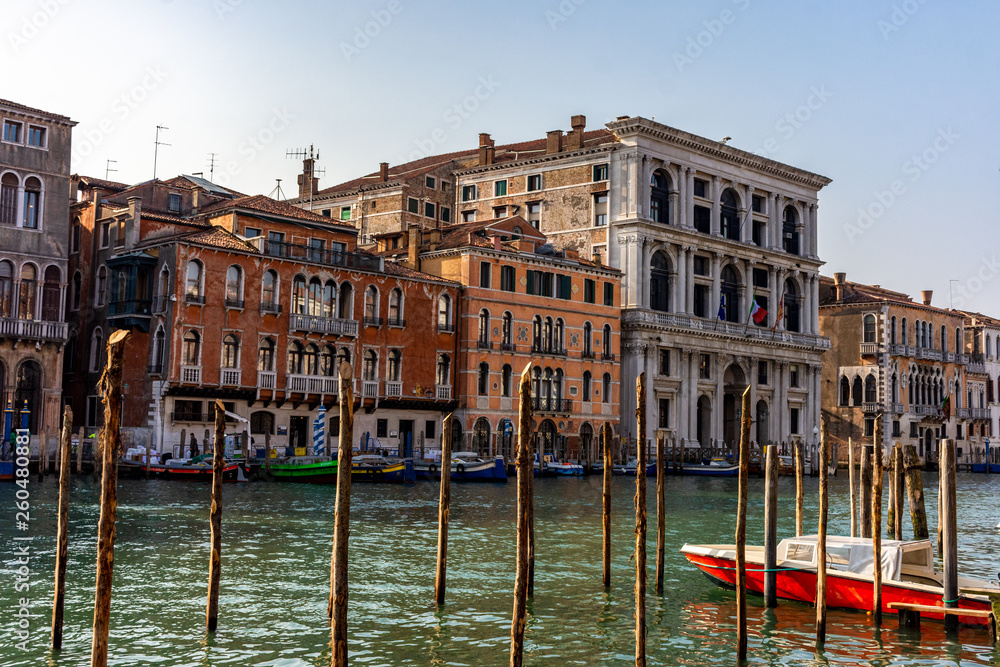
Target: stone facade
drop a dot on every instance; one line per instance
(982, 345)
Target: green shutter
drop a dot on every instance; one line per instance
(531, 282)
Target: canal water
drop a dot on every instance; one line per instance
(276, 564)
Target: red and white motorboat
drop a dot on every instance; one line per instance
(908, 573)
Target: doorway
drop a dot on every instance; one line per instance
(298, 431)
(406, 438)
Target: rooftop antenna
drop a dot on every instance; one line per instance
(276, 193)
(156, 146)
(211, 167)
(310, 171)
(108, 168)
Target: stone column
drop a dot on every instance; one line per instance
(775, 240)
(642, 190)
(780, 407)
(683, 409)
(813, 232)
(673, 205)
(716, 281)
(679, 303)
(752, 381)
(19, 217)
(774, 294)
(693, 393)
(748, 265)
(689, 289)
(716, 205)
(815, 304)
(718, 372)
(746, 218)
(687, 219)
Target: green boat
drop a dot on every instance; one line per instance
(309, 469)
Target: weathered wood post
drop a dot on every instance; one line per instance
(876, 525)
(771, 527)
(799, 471)
(949, 522)
(661, 509)
(741, 531)
(897, 490)
(640, 521)
(866, 492)
(444, 510)
(824, 460)
(537, 446)
(79, 451)
(215, 519)
(852, 478)
(267, 451)
(110, 388)
(62, 529)
(525, 473)
(915, 494)
(342, 520)
(606, 502)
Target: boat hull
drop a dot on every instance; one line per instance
(487, 471)
(199, 473)
(711, 471)
(324, 472)
(6, 471)
(394, 473)
(978, 467)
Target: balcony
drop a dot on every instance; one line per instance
(195, 299)
(266, 379)
(928, 354)
(191, 374)
(635, 318)
(446, 328)
(396, 322)
(508, 347)
(373, 321)
(975, 364)
(554, 351)
(229, 377)
(870, 408)
(324, 325)
(311, 384)
(962, 413)
(270, 308)
(551, 405)
(484, 344)
(587, 354)
(900, 350)
(947, 357)
(235, 303)
(896, 408)
(979, 413)
(40, 330)
(343, 259)
(442, 392)
(608, 356)
(869, 349)
(393, 389)
(369, 389)
(927, 410)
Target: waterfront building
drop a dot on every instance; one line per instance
(34, 219)
(253, 302)
(903, 360)
(982, 344)
(524, 301)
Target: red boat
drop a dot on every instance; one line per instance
(908, 573)
(182, 469)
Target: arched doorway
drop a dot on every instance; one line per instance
(733, 384)
(547, 437)
(762, 434)
(586, 449)
(505, 431)
(456, 436)
(27, 395)
(704, 421)
(481, 437)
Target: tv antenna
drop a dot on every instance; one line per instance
(276, 193)
(211, 167)
(156, 146)
(309, 169)
(108, 168)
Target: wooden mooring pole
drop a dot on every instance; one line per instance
(337, 607)
(915, 494)
(661, 509)
(852, 480)
(444, 511)
(640, 521)
(536, 446)
(62, 529)
(897, 490)
(771, 527)
(949, 523)
(866, 492)
(741, 531)
(876, 525)
(799, 470)
(824, 461)
(110, 388)
(215, 519)
(606, 502)
(525, 473)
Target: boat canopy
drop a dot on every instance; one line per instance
(855, 554)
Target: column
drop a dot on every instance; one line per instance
(775, 225)
(642, 262)
(674, 197)
(746, 233)
(716, 279)
(716, 205)
(748, 265)
(813, 232)
(642, 190)
(683, 411)
(19, 212)
(805, 310)
(693, 393)
(780, 287)
(679, 302)
(752, 382)
(815, 304)
(774, 293)
(689, 290)
(719, 369)
(780, 407)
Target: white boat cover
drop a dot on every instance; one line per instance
(851, 554)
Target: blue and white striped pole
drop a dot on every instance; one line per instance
(319, 432)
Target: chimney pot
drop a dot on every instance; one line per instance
(839, 281)
(383, 172)
(553, 142)
(925, 296)
(484, 139)
(578, 122)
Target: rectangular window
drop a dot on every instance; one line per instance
(468, 193)
(547, 279)
(430, 182)
(499, 212)
(705, 369)
(564, 287)
(760, 278)
(759, 233)
(600, 172)
(94, 409)
(793, 375)
(275, 244)
(430, 429)
(534, 182)
(601, 209)
(316, 248)
(445, 214)
(345, 212)
(762, 372)
(507, 278)
(701, 300)
(326, 213)
(534, 213)
(609, 294)
(895, 429)
(758, 204)
(664, 413)
(412, 205)
(251, 232)
(793, 420)
(36, 136)
(529, 277)
(105, 234)
(382, 428)
(485, 271)
(665, 363)
(700, 187)
(589, 287)
(12, 131)
(700, 266)
(703, 219)
(429, 210)
(958, 434)
(499, 188)
(913, 429)
(174, 203)
(869, 427)
(187, 411)
(468, 216)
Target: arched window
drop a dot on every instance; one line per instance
(505, 378)
(26, 301)
(96, 350)
(869, 328)
(588, 339)
(606, 388)
(294, 358)
(585, 394)
(77, 290)
(328, 361)
(314, 297)
(8, 199)
(871, 389)
(310, 359)
(6, 287)
(845, 392)
(75, 233)
(730, 294)
(27, 394)
(269, 291)
(443, 377)
(892, 330)
(370, 366)
(193, 281)
(606, 341)
(484, 379)
(904, 338)
(536, 383)
(659, 197)
(234, 287)
(395, 361)
(329, 299)
(958, 340)
(557, 387)
(50, 293)
(793, 319)
(484, 328)
(192, 349)
(944, 338)
(345, 301)
(507, 331)
(659, 282)
(481, 437)
(299, 295)
(536, 333)
(396, 307)
(790, 231)
(371, 305)
(729, 216)
(558, 336)
(343, 356)
(857, 392)
(231, 351)
(444, 313)
(32, 212)
(159, 350)
(265, 355)
(261, 423)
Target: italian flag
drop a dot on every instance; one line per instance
(756, 312)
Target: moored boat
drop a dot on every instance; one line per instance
(308, 469)
(376, 468)
(908, 573)
(552, 467)
(630, 467)
(717, 467)
(194, 469)
(465, 467)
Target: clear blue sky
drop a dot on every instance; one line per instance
(892, 100)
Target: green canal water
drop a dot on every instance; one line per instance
(276, 563)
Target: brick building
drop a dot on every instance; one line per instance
(982, 345)
(523, 301)
(253, 302)
(34, 203)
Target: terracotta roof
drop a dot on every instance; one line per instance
(980, 318)
(100, 183)
(856, 293)
(504, 153)
(272, 206)
(213, 236)
(394, 269)
(21, 107)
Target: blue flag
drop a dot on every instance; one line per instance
(722, 307)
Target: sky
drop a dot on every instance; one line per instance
(893, 100)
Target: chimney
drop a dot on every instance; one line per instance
(195, 196)
(308, 184)
(553, 142)
(496, 243)
(839, 281)
(525, 245)
(485, 149)
(413, 247)
(383, 172)
(575, 136)
(925, 296)
(131, 230)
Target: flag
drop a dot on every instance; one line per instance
(756, 312)
(781, 312)
(722, 307)
(946, 408)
